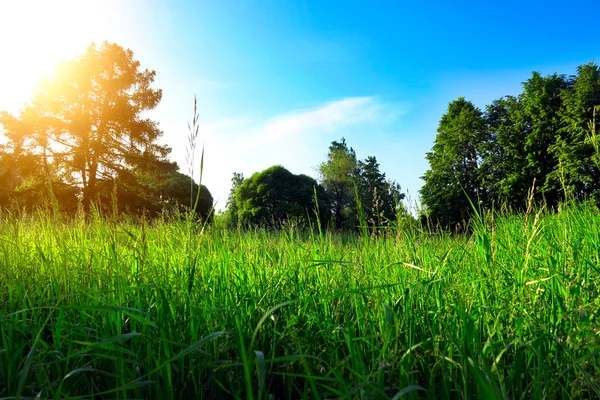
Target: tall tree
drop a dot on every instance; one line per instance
(543, 135)
(454, 174)
(578, 162)
(339, 178)
(86, 121)
(504, 170)
(380, 198)
(540, 102)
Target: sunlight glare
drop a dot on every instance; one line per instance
(37, 35)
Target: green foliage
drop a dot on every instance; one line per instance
(27, 181)
(103, 310)
(541, 102)
(175, 192)
(540, 143)
(521, 132)
(379, 197)
(339, 178)
(454, 176)
(358, 188)
(574, 150)
(275, 197)
(505, 171)
(231, 213)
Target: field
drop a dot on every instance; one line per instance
(167, 310)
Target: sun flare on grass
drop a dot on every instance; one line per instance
(37, 35)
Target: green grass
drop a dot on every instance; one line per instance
(103, 310)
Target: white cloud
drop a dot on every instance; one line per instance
(327, 118)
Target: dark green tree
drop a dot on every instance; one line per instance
(454, 174)
(504, 171)
(380, 198)
(275, 197)
(339, 175)
(175, 194)
(578, 163)
(545, 135)
(541, 101)
(231, 213)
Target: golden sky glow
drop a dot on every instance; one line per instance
(37, 35)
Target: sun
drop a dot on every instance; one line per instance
(37, 35)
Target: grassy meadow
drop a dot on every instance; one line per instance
(167, 310)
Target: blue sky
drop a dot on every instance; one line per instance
(277, 81)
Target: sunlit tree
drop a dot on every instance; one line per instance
(87, 125)
(505, 172)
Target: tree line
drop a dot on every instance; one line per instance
(351, 193)
(539, 145)
(84, 141)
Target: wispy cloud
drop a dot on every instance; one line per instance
(324, 119)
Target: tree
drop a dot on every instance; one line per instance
(231, 214)
(541, 101)
(454, 176)
(27, 179)
(175, 192)
(504, 170)
(380, 198)
(544, 136)
(339, 178)
(275, 196)
(87, 127)
(578, 162)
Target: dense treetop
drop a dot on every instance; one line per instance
(275, 197)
